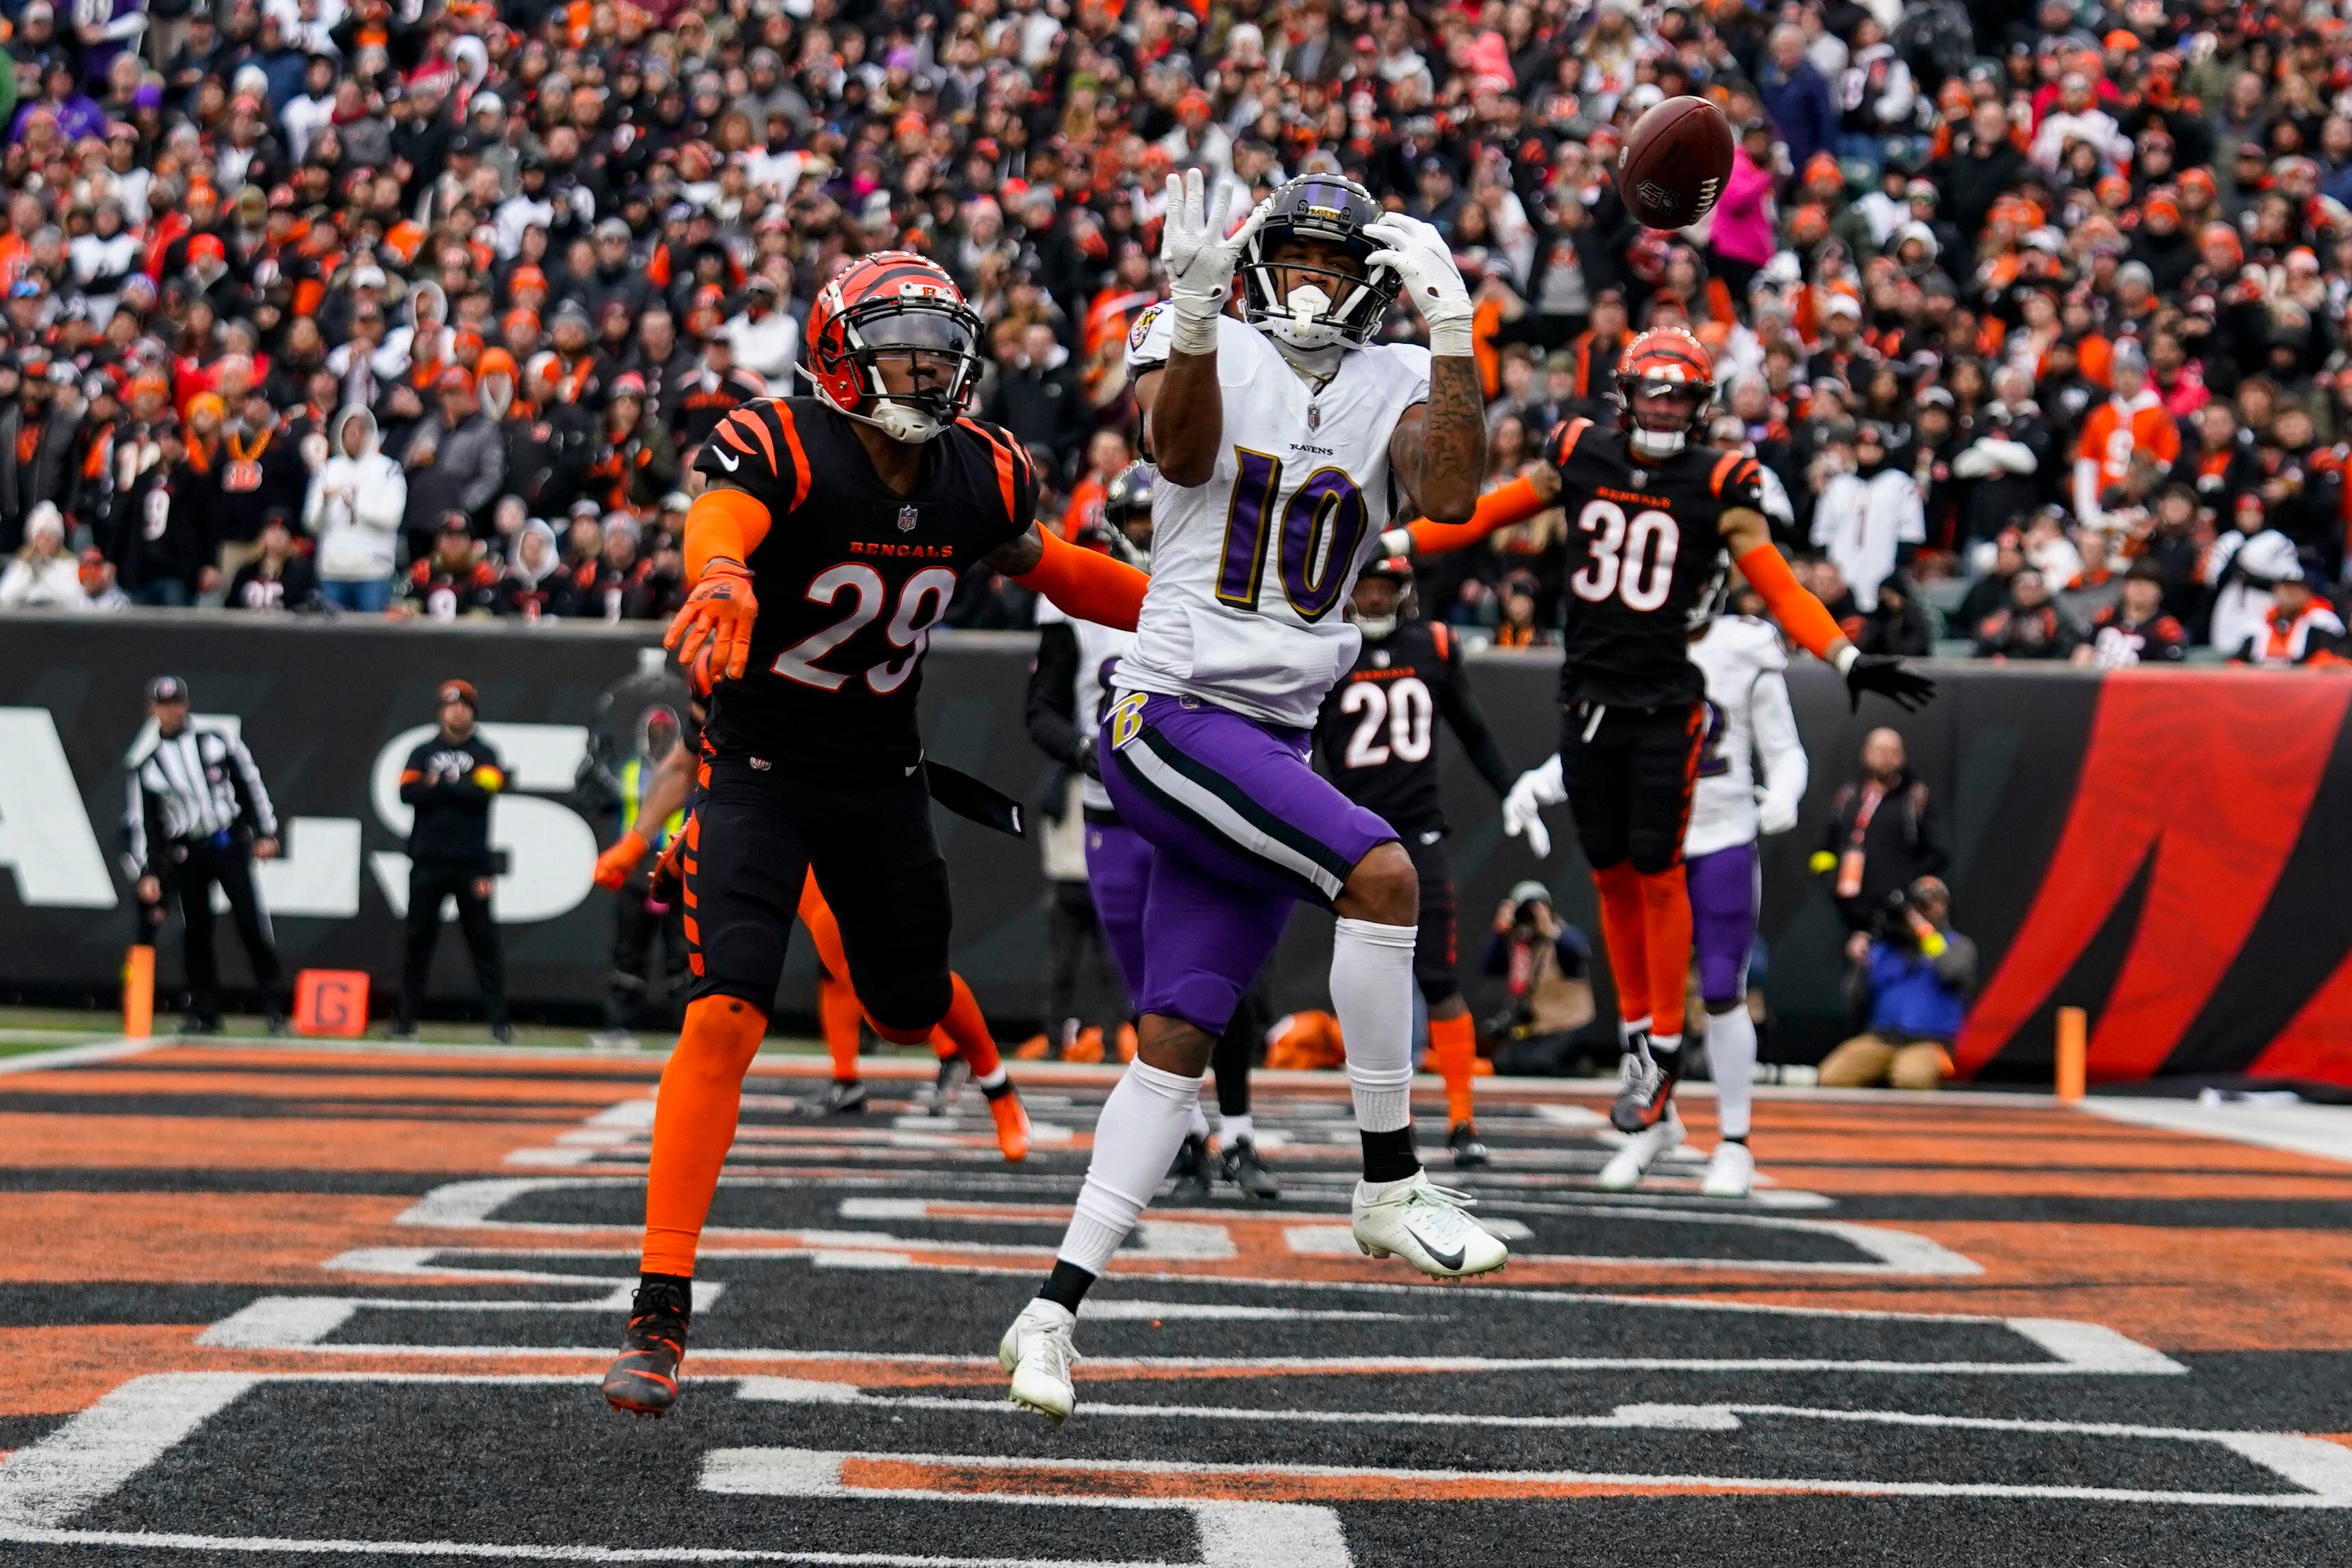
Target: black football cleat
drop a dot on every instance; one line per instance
(643, 1380)
(1469, 1154)
(941, 1097)
(1646, 1089)
(1247, 1170)
(841, 1097)
(1192, 1171)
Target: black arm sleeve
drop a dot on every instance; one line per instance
(1469, 721)
(1052, 693)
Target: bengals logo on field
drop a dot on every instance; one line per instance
(1142, 327)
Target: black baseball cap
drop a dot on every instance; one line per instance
(167, 689)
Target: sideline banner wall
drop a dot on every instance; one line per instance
(2165, 848)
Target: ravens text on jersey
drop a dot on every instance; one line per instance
(1644, 555)
(851, 575)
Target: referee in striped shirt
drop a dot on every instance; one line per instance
(199, 817)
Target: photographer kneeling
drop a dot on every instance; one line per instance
(1551, 1028)
(1913, 983)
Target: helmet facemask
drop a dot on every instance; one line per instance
(1662, 414)
(916, 358)
(1394, 606)
(1324, 292)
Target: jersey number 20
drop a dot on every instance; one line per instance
(923, 603)
(1632, 559)
(1402, 706)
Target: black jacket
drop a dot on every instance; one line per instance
(1901, 841)
(451, 784)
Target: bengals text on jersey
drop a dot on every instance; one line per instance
(851, 576)
(1644, 555)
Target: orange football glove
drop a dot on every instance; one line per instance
(614, 866)
(720, 612)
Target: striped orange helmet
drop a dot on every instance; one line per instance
(892, 342)
(1665, 386)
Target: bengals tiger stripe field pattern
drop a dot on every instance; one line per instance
(299, 1305)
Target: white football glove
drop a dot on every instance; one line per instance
(1773, 814)
(1198, 254)
(1523, 806)
(1432, 281)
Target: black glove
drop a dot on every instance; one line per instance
(1886, 674)
(1088, 763)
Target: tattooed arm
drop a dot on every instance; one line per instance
(1439, 450)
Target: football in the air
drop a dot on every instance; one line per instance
(1674, 162)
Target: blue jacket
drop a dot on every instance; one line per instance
(1912, 994)
(1800, 108)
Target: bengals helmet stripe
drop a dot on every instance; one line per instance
(1665, 359)
(893, 301)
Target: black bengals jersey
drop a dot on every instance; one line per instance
(1644, 555)
(851, 576)
(1377, 735)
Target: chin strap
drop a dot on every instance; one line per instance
(937, 430)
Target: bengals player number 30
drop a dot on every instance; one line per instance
(1652, 518)
(824, 550)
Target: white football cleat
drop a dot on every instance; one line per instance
(1730, 1174)
(1037, 1352)
(1427, 1226)
(1626, 1167)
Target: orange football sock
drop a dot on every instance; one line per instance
(1453, 1047)
(1623, 928)
(968, 1029)
(838, 1011)
(1666, 927)
(694, 1125)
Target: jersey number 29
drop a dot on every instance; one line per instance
(923, 603)
(1402, 706)
(1632, 559)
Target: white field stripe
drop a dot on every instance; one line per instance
(2322, 1132)
(1338, 1241)
(780, 1471)
(1213, 809)
(111, 1049)
(85, 1460)
(1625, 1417)
(292, 1323)
(2312, 1463)
(145, 1541)
(2091, 1347)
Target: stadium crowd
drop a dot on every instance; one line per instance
(2033, 310)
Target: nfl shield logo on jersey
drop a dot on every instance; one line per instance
(1314, 417)
(906, 520)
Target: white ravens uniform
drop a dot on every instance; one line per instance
(1748, 713)
(1101, 650)
(1251, 572)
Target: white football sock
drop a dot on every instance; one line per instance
(990, 1081)
(1136, 1140)
(1371, 992)
(1232, 1130)
(1197, 1124)
(1731, 1058)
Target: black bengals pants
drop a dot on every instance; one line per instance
(429, 882)
(866, 834)
(1435, 961)
(198, 866)
(1630, 773)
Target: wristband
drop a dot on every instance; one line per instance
(1451, 340)
(1195, 330)
(1843, 658)
(1396, 542)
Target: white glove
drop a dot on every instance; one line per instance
(1432, 281)
(1523, 807)
(1774, 814)
(1198, 256)
(1973, 464)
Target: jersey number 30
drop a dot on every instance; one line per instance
(922, 602)
(1402, 706)
(1633, 560)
